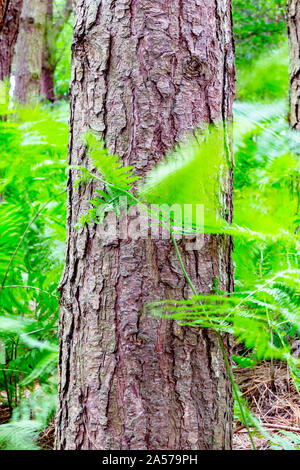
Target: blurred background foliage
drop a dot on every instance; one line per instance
(32, 239)
(258, 27)
(261, 49)
(62, 73)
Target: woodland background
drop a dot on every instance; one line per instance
(33, 169)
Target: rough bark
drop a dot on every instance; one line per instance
(143, 74)
(293, 24)
(52, 31)
(29, 50)
(10, 12)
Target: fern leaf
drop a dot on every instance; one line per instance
(111, 168)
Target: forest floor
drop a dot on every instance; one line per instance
(276, 405)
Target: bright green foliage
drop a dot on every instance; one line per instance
(28, 419)
(266, 177)
(261, 318)
(174, 181)
(261, 49)
(32, 236)
(62, 73)
(266, 202)
(192, 174)
(110, 166)
(266, 190)
(258, 26)
(116, 178)
(286, 441)
(266, 78)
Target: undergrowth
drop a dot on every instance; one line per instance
(266, 78)
(32, 237)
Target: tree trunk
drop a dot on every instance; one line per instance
(52, 32)
(293, 24)
(48, 60)
(9, 27)
(47, 81)
(143, 74)
(29, 50)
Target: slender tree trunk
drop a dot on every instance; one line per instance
(9, 27)
(144, 73)
(293, 24)
(52, 32)
(29, 50)
(48, 60)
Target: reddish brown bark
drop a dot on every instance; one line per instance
(293, 24)
(143, 74)
(9, 26)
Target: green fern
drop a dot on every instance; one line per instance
(111, 168)
(257, 318)
(28, 420)
(32, 236)
(194, 173)
(116, 180)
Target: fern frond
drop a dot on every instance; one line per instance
(110, 166)
(193, 173)
(252, 317)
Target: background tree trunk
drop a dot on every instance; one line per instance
(9, 27)
(48, 61)
(52, 32)
(29, 50)
(293, 24)
(143, 74)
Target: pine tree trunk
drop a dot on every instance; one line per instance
(29, 50)
(143, 74)
(293, 24)
(48, 59)
(9, 27)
